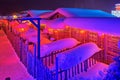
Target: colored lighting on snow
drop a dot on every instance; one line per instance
(22, 29)
(66, 26)
(82, 31)
(56, 31)
(43, 25)
(50, 30)
(102, 35)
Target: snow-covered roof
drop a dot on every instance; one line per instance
(43, 40)
(44, 15)
(56, 23)
(100, 25)
(58, 45)
(29, 33)
(78, 12)
(21, 28)
(37, 13)
(76, 55)
(43, 21)
(13, 23)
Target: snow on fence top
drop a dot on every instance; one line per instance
(58, 45)
(100, 25)
(76, 55)
(77, 12)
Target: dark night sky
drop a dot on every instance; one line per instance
(10, 6)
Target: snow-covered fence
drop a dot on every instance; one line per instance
(35, 67)
(49, 59)
(77, 60)
(49, 51)
(66, 74)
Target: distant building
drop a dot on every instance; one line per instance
(116, 12)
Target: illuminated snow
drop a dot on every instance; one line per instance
(58, 45)
(100, 25)
(76, 55)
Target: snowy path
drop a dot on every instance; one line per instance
(10, 65)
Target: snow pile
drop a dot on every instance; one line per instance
(58, 45)
(72, 57)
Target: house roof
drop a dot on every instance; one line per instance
(37, 13)
(78, 12)
(56, 23)
(100, 25)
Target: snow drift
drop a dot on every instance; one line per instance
(74, 56)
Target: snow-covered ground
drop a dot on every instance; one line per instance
(96, 72)
(10, 65)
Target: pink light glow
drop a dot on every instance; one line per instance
(21, 27)
(82, 31)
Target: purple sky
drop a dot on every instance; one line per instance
(10, 6)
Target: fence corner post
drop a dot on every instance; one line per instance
(56, 68)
